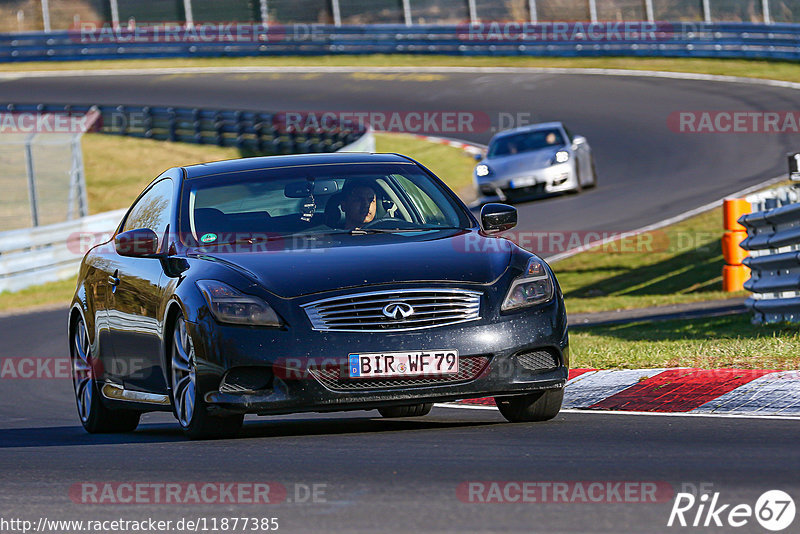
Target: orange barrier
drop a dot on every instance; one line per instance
(731, 251)
(734, 277)
(732, 209)
(734, 274)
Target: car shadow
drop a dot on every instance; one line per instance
(70, 436)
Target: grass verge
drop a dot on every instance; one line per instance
(776, 70)
(712, 343)
(677, 264)
(118, 168)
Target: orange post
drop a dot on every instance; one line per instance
(734, 274)
(731, 251)
(732, 209)
(734, 277)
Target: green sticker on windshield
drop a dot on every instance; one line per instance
(208, 238)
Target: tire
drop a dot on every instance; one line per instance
(188, 406)
(95, 416)
(540, 406)
(594, 177)
(579, 187)
(413, 410)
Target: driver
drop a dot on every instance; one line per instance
(359, 204)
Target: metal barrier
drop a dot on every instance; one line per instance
(664, 39)
(47, 253)
(773, 243)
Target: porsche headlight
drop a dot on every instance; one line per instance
(562, 156)
(482, 170)
(533, 286)
(229, 305)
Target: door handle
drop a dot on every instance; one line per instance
(113, 281)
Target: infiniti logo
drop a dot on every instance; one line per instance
(398, 310)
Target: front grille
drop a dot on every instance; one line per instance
(337, 379)
(364, 312)
(537, 360)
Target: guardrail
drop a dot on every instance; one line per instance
(665, 39)
(260, 132)
(773, 244)
(48, 253)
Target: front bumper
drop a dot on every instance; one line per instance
(498, 339)
(553, 179)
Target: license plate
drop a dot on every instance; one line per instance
(394, 364)
(526, 181)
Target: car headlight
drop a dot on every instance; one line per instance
(533, 286)
(229, 305)
(562, 156)
(482, 170)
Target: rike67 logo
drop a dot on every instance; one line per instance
(774, 510)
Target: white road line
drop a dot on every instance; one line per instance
(666, 222)
(658, 414)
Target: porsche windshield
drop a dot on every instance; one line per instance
(316, 199)
(526, 142)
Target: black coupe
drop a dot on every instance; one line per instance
(311, 283)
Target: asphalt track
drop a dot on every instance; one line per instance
(403, 475)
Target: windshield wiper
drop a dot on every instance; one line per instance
(365, 231)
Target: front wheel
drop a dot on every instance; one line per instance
(578, 185)
(188, 404)
(414, 410)
(540, 406)
(594, 176)
(95, 417)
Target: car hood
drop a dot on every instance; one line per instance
(335, 262)
(521, 163)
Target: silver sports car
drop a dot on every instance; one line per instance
(535, 160)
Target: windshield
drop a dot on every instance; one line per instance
(526, 142)
(315, 200)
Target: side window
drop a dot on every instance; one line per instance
(427, 207)
(152, 210)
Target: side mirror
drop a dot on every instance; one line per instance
(138, 243)
(498, 217)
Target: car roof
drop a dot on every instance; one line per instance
(529, 128)
(294, 160)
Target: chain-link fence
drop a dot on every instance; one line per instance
(35, 15)
(42, 179)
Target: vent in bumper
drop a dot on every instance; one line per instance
(537, 360)
(364, 312)
(335, 378)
